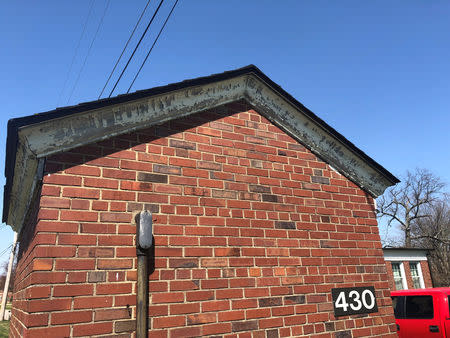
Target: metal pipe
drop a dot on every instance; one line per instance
(142, 296)
(144, 242)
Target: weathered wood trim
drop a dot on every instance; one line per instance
(61, 134)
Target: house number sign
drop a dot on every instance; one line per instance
(350, 301)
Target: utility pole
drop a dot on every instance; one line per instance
(8, 277)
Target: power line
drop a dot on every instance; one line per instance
(153, 45)
(142, 36)
(124, 48)
(89, 50)
(6, 250)
(76, 51)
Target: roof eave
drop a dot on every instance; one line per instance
(38, 136)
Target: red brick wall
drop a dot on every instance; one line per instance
(390, 276)
(425, 273)
(251, 231)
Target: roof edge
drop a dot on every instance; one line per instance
(198, 94)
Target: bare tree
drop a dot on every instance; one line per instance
(434, 232)
(407, 202)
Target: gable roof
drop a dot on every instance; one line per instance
(31, 138)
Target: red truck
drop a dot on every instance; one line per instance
(422, 313)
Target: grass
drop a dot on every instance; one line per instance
(4, 328)
(4, 325)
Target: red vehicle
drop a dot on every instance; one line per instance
(422, 313)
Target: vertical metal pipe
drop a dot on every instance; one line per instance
(142, 297)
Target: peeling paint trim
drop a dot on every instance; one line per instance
(62, 133)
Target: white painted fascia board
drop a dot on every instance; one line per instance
(405, 255)
(62, 134)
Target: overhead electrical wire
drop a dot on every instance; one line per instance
(134, 51)
(153, 45)
(76, 52)
(6, 250)
(89, 50)
(124, 48)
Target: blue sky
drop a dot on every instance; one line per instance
(378, 72)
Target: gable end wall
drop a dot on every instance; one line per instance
(251, 232)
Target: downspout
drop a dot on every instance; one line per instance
(144, 241)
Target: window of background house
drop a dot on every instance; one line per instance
(416, 275)
(399, 276)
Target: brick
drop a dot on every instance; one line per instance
(98, 228)
(183, 285)
(52, 251)
(62, 180)
(113, 288)
(176, 309)
(71, 317)
(92, 302)
(47, 305)
(55, 202)
(249, 325)
(76, 277)
(202, 318)
(259, 189)
(100, 183)
(119, 174)
(186, 332)
(155, 178)
(111, 314)
(92, 329)
(95, 252)
(116, 217)
(72, 290)
(273, 301)
(125, 326)
(83, 171)
(38, 292)
(118, 195)
(115, 240)
(172, 297)
(49, 190)
(213, 329)
(199, 296)
(81, 193)
(79, 216)
(47, 277)
(285, 225)
(42, 264)
(182, 144)
(114, 264)
(183, 263)
(48, 214)
(34, 320)
(65, 239)
(294, 299)
(227, 252)
(57, 331)
(74, 264)
(216, 305)
(214, 262)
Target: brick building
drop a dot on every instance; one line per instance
(407, 268)
(259, 207)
